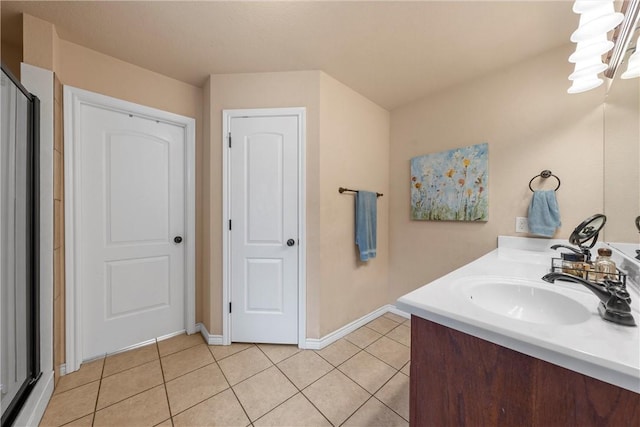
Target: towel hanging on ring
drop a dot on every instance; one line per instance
(544, 213)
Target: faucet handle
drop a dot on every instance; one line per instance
(618, 290)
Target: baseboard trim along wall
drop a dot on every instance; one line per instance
(315, 343)
(319, 344)
(208, 338)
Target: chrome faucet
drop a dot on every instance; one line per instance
(614, 299)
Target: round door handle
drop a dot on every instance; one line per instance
(291, 242)
(177, 239)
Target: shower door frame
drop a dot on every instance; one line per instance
(32, 253)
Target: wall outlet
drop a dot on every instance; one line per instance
(522, 224)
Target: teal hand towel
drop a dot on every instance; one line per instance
(366, 224)
(544, 214)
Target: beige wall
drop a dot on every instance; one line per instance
(264, 90)
(39, 42)
(531, 124)
(622, 161)
(523, 112)
(346, 145)
(354, 153)
(12, 57)
(84, 68)
(87, 69)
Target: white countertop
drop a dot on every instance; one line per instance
(593, 347)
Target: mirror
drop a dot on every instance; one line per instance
(588, 230)
(622, 157)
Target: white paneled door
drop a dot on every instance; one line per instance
(264, 244)
(132, 223)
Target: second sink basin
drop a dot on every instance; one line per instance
(525, 302)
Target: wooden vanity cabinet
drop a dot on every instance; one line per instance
(461, 380)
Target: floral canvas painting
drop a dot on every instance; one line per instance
(451, 185)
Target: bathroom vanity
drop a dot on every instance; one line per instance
(493, 344)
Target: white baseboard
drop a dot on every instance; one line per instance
(63, 369)
(315, 343)
(318, 344)
(395, 310)
(34, 407)
(208, 338)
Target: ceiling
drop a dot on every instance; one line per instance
(392, 52)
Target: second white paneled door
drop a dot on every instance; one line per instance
(264, 240)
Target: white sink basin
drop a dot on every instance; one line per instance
(526, 303)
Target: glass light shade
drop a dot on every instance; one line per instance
(582, 6)
(593, 47)
(596, 21)
(585, 84)
(591, 66)
(633, 67)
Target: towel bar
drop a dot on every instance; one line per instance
(342, 190)
(544, 175)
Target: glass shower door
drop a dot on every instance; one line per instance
(18, 264)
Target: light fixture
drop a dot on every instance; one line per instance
(633, 67)
(585, 84)
(622, 37)
(594, 47)
(582, 6)
(597, 18)
(593, 66)
(596, 21)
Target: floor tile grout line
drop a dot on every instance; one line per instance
(386, 363)
(378, 389)
(95, 406)
(192, 370)
(133, 395)
(251, 376)
(234, 392)
(365, 390)
(357, 409)
(348, 377)
(77, 386)
(96, 410)
(301, 390)
(387, 382)
(390, 408)
(75, 419)
(232, 354)
(300, 350)
(208, 397)
(130, 367)
(184, 348)
(201, 401)
(164, 382)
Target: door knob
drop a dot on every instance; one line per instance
(177, 239)
(291, 242)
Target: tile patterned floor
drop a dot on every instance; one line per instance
(359, 380)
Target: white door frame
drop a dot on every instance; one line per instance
(227, 115)
(74, 98)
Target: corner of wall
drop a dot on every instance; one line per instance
(38, 42)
